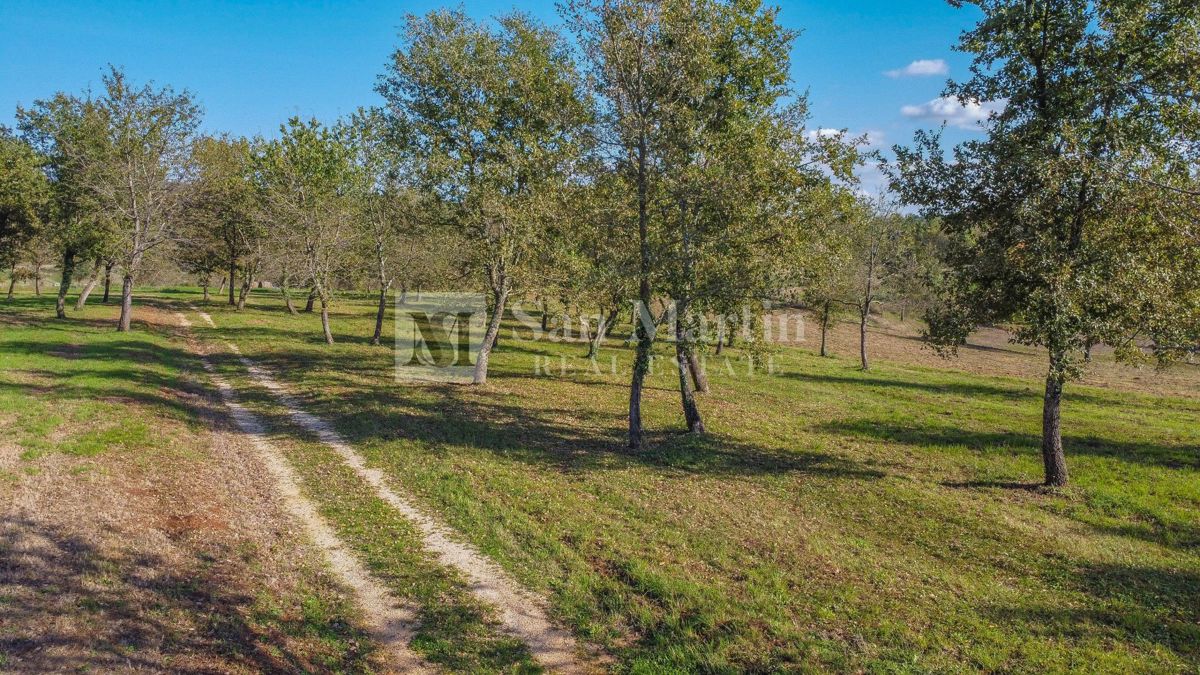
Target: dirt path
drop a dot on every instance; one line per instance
(521, 614)
(389, 621)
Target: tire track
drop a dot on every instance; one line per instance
(521, 614)
(389, 621)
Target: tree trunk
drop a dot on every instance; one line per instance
(720, 336)
(312, 298)
(699, 377)
(1052, 448)
(247, 284)
(862, 341)
(605, 321)
(68, 271)
(126, 303)
(825, 313)
(545, 317)
(379, 316)
(232, 280)
(287, 296)
(221, 288)
(37, 280)
(868, 298)
(641, 361)
(403, 294)
(489, 338)
(89, 286)
(107, 281)
(683, 359)
(204, 287)
(325, 321)
(12, 281)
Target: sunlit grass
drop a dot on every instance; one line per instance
(833, 519)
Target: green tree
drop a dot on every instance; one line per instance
(120, 160)
(221, 228)
(694, 118)
(309, 185)
(71, 134)
(24, 191)
(497, 117)
(1058, 218)
(391, 206)
(825, 269)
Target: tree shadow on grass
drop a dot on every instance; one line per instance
(1182, 457)
(1013, 392)
(441, 417)
(1128, 604)
(69, 606)
(123, 371)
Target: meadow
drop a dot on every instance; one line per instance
(833, 520)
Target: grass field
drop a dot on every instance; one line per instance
(132, 536)
(832, 520)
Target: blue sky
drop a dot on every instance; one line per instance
(253, 64)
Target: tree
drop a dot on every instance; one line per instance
(24, 191)
(1060, 216)
(589, 260)
(497, 117)
(880, 244)
(825, 265)
(308, 181)
(70, 134)
(126, 155)
(916, 268)
(390, 203)
(693, 117)
(221, 228)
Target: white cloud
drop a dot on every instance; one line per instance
(950, 110)
(921, 68)
(873, 138)
(823, 132)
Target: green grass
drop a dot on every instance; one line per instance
(832, 520)
(77, 392)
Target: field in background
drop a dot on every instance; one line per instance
(833, 519)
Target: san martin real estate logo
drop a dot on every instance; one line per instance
(438, 336)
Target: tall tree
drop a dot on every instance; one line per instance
(24, 191)
(497, 117)
(222, 229)
(694, 116)
(1057, 219)
(390, 203)
(71, 134)
(130, 160)
(639, 62)
(308, 182)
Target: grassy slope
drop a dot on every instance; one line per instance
(98, 431)
(833, 519)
